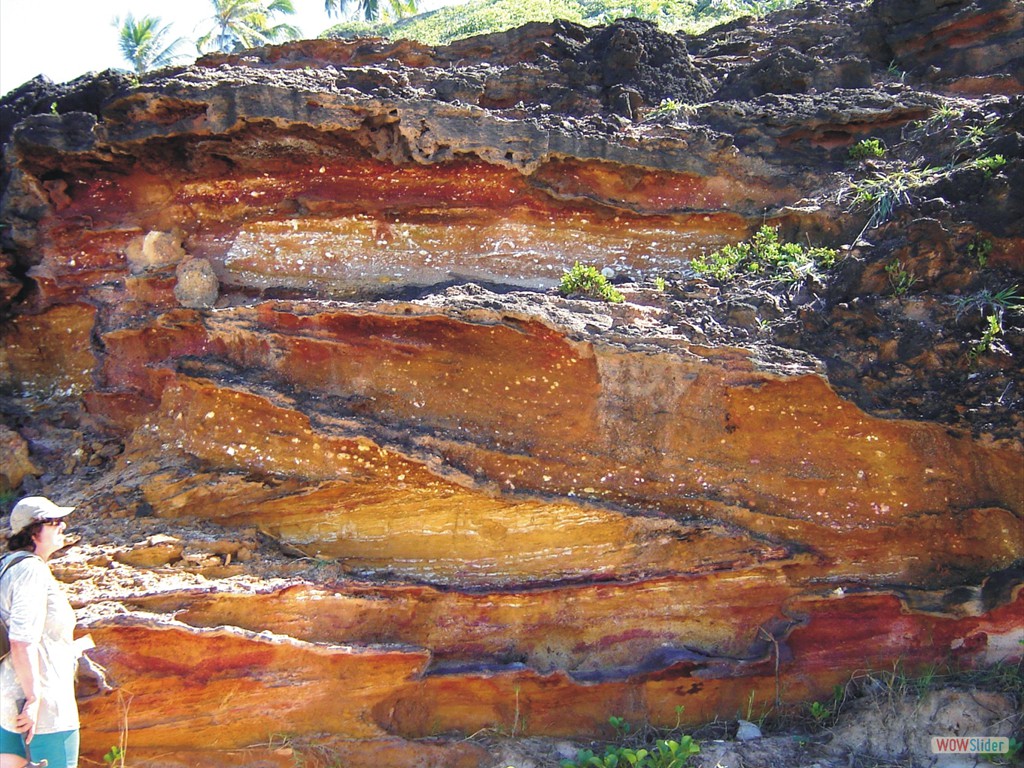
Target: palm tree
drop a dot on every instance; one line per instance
(142, 43)
(370, 9)
(240, 24)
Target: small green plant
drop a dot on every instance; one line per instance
(990, 338)
(939, 121)
(53, 108)
(115, 757)
(976, 135)
(894, 71)
(947, 112)
(986, 302)
(660, 283)
(670, 109)
(765, 255)
(980, 249)
(884, 192)
(901, 279)
(990, 164)
(819, 712)
(674, 754)
(666, 107)
(620, 726)
(612, 758)
(866, 148)
(667, 753)
(587, 281)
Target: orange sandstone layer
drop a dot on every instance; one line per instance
(229, 687)
(586, 629)
(489, 445)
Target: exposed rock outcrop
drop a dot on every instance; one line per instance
(284, 325)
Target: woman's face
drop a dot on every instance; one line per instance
(50, 537)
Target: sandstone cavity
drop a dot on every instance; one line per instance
(284, 326)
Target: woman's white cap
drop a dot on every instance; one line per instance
(33, 508)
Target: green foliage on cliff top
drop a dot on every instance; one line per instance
(486, 16)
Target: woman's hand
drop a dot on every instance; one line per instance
(25, 722)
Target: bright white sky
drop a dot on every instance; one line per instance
(63, 39)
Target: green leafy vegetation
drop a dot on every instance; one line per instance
(117, 755)
(478, 17)
(587, 281)
(990, 164)
(992, 307)
(901, 279)
(980, 249)
(236, 25)
(867, 148)
(894, 71)
(976, 135)
(666, 753)
(764, 255)
(620, 726)
(114, 757)
(645, 747)
(669, 109)
(820, 712)
(986, 302)
(882, 193)
(989, 340)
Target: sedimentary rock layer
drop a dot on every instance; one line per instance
(304, 299)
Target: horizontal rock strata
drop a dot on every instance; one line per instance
(284, 325)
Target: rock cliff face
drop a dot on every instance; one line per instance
(284, 325)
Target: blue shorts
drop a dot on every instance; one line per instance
(60, 748)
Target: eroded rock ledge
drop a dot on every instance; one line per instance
(283, 325)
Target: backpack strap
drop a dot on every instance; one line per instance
(9, 560)
(13, 559)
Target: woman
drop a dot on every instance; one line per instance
(37, 678)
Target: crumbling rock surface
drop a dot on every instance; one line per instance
(284, 325)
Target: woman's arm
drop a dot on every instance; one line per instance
(25, 657)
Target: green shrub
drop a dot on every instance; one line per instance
(477, 17)
(867, 148)
(587, 281)
(765, 256)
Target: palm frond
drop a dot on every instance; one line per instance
(241, 24)
(143, 43)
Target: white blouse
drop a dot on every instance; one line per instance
(36, 610)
